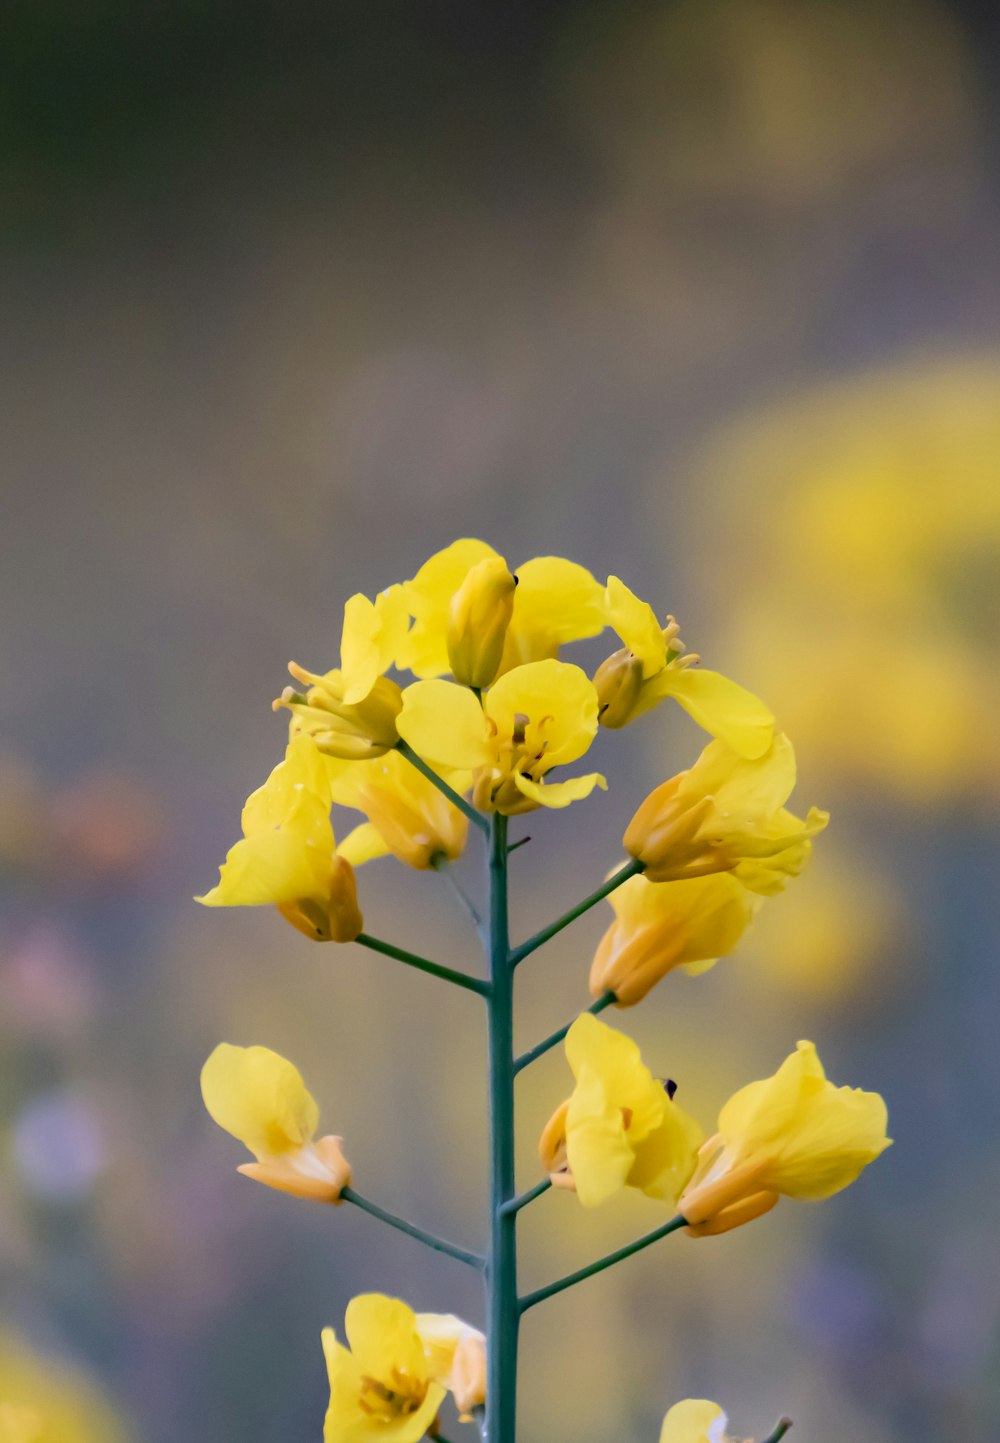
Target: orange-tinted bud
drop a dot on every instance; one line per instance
(618, 681)
(337, 918)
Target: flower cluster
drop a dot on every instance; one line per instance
(483, 732)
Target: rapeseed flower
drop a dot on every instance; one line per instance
(456, 1357)
(726, 813)
(259, 1097)
(652, 665)
(407, 814)
(662, 925)
(288, 857)
(351, 730)
(381, 1385)
(794, 1135)
(535, 717)
(621, 1127)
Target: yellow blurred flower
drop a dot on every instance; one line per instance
(259, 1097)
(288, 856)
(381, 1387)
(45, 1401)
(662, 925)
(407, 814)
(694, 1420)
(794, 1134)
(556, 601)
(726, 813)
(456, 1357)
(535, 717)
(621, 1127)
(652, 666)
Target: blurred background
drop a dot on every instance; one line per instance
(705, 294)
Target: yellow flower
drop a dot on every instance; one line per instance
(694, 1420)
(652, 666)
(407, 814)
(381, 1387)
(45, 1401)
(372, 635)
(478, 617)
(259, 1097)
(536, 717)
(556, 601)
(352, 730)
(726, 813)
(793, 1134)
(456, 1357)
(621, 1127)
(288, 856)
(662, 925)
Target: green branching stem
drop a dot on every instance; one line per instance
(631, 869)
(540, 1048)
(466, 808)
(517, 1203)
(423, 964)
(780, 1429)
(608, 1261)
(440, 1245)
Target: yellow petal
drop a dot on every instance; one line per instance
(428, 596)
(721, 706)
(595, 1048)
(372, 635)
(382, 1333)
(259, 1097)
(297, 792)
(665, 1159)
(559, 794)
(597, 1145)
(444, 724)
(364, 844)
(741, 785)
(557, 601)
(636, 623)
(695, 1420)
(270, 869)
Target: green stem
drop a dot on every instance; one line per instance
(630, 869)
(501, 1272)
(435, 969)
(517, 1203)
(780, 1429)
(608, 1261)
(540, 1048)
(440, 1245)
(466, 808)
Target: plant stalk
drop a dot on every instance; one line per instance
(608, 1261)
(631, 869)
(440, 1245)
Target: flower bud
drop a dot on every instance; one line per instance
(663, 834)
(478, 618)
(467, 1379)
(618, 681)
(552, 1149)
(353, 731)
(333, 918)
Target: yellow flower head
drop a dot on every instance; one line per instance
(652, 665)
(662, 925)
(793, 1134)
(456, 1357)
(621, 1127)
(556, 601)
(694, 1420)
(535, 717)
(381, 1386)
(407, 814)
(288, 857)
(352, 730)
(259, 1097)
(726, 813)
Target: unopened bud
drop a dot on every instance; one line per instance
(335, 918)
(478, 619)
(618, 682)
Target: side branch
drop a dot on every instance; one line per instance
(454, 797)
(631, 869)
(780, 1429)
(540, 1049)
(423, 964)
(619, 1255)
(440, 1245)
(515, 1204)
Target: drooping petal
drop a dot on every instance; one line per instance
(557, 601)
(597, 1145)
(445, 725)
(665, 1159)
(373, 634)
(723, 707)
(260, 1098)
(559, 794)
(297, 792)
(272, 868)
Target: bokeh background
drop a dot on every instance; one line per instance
(705, 294)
